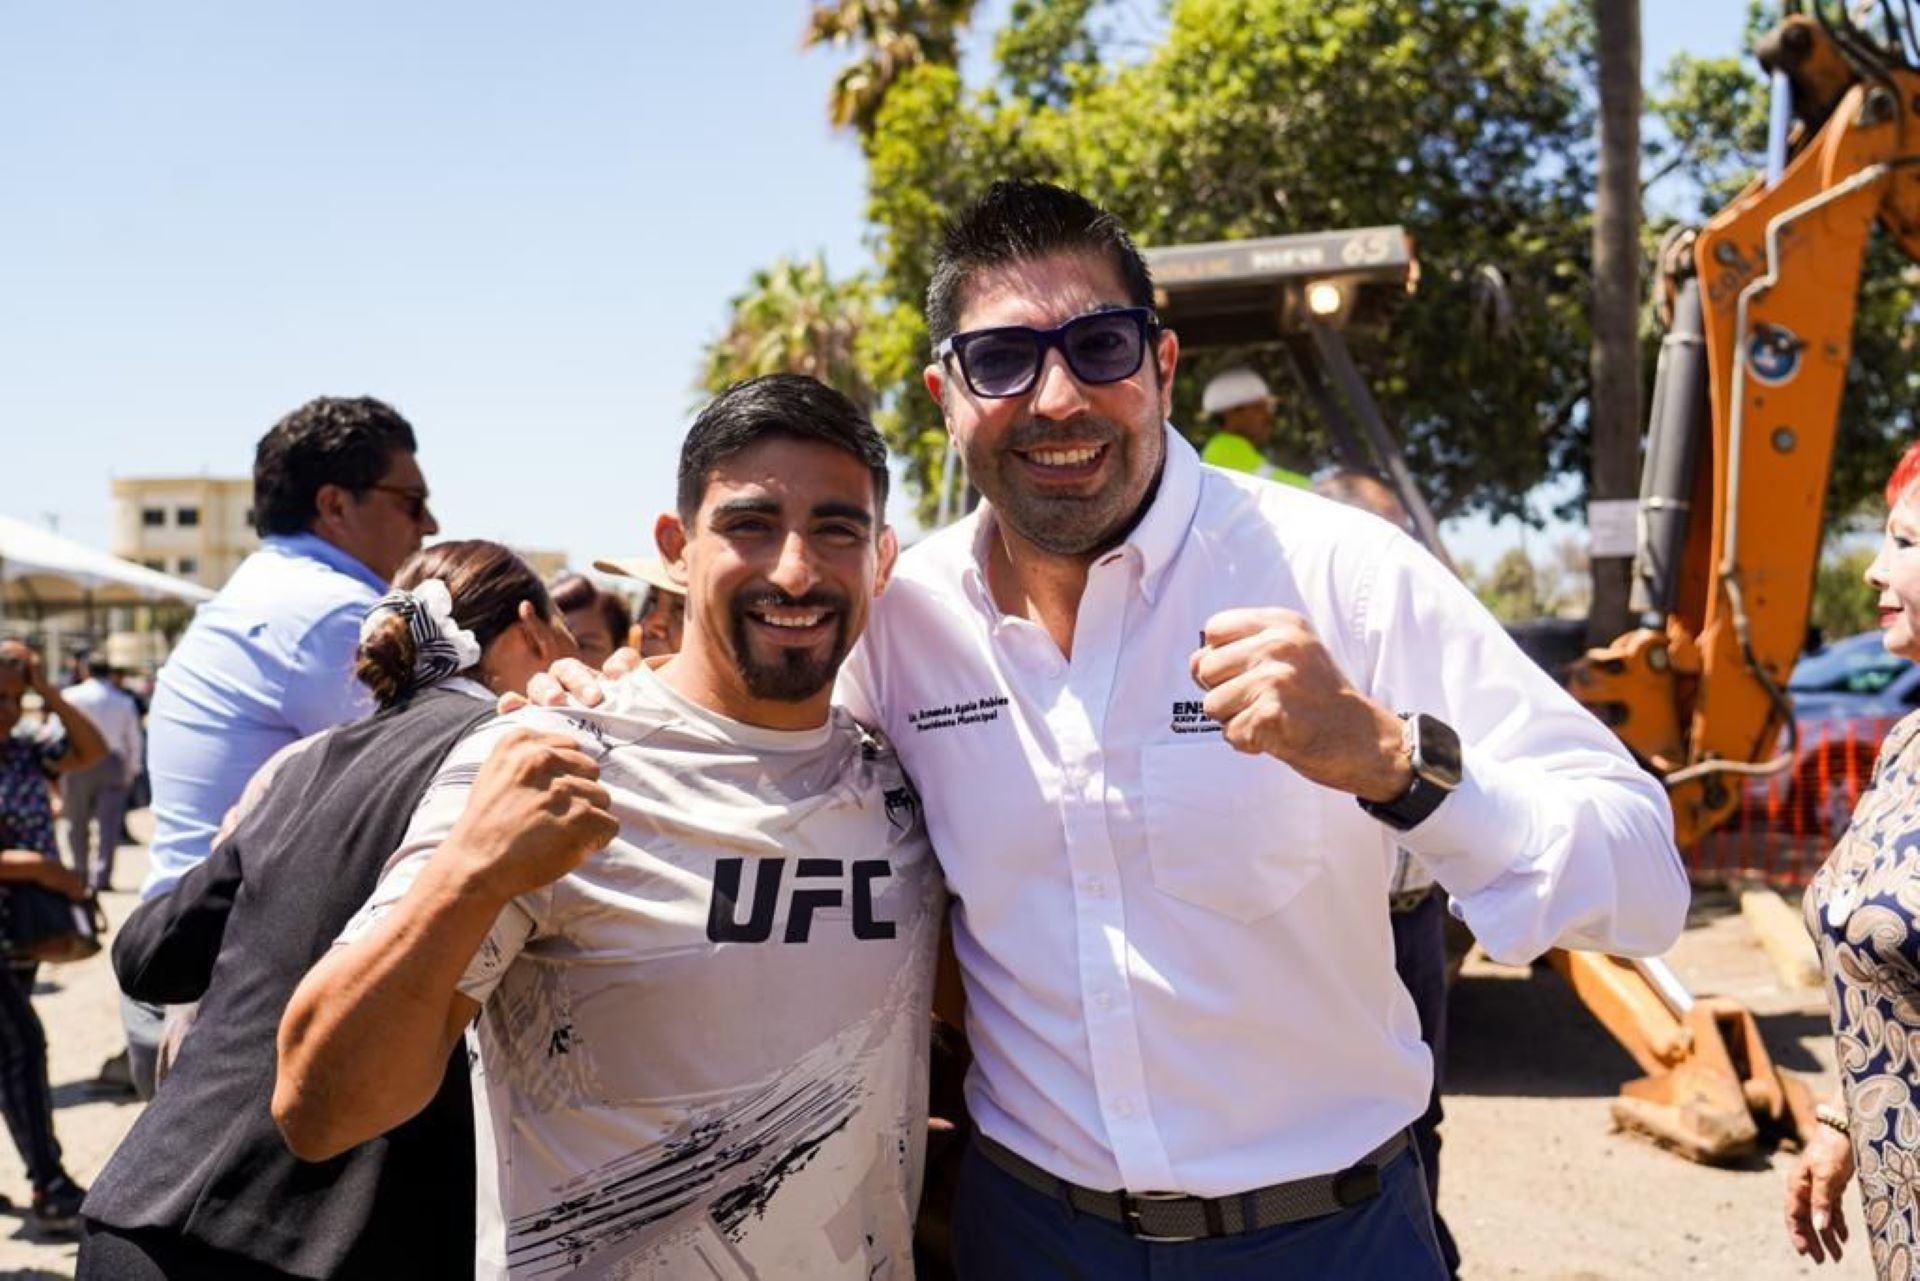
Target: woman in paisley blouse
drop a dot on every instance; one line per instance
(1864, 911)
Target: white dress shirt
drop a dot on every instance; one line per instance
(1177, 958)
(117, 717)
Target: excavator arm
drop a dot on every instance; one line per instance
(1745, 412)
(1735, 487)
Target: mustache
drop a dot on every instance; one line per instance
(1081, 429)
(774, 598)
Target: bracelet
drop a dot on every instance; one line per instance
(1831, 1117)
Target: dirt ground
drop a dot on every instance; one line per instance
(1535, 1185)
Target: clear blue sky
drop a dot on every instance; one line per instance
(518, 223)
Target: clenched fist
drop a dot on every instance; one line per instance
(537, 811)
(1275, 690)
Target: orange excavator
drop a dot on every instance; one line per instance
(1760, 304)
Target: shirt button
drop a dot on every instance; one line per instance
(1104, 1000)
(1095, 887)
(1123, 1107)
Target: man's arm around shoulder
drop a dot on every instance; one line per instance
(364, 1042)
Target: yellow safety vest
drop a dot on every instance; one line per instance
(1237, 453)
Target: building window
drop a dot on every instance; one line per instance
(187, 566)
(153, 517)
(186, 517)
(155, 563)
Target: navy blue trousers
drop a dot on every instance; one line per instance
(1420, 956)
(26, 1099)
(1005, 1231)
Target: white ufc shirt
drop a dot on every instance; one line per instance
(704, 1053)
(1177, 958)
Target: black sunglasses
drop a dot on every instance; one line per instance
(415, 499)
(1099, 347)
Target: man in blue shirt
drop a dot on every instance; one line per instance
(339, 501)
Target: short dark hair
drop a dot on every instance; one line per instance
(790, 406)
(1020, 220)
(573, 592)
(327, 441)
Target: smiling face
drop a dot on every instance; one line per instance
(1067, 466)
(1895, 574)
(782, 562)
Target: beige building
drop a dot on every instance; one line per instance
(195, 527)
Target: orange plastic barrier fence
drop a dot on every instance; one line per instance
(1787, 823)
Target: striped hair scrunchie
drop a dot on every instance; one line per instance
(441, 646)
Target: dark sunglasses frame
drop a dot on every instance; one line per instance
(416, 499)
(1045, 340)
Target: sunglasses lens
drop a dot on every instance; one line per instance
(1104, 348)
(1001, 364)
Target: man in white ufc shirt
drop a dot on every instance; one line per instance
(702, 1051)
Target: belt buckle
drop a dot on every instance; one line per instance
(1130, 1212)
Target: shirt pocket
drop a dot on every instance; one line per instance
(1235, 834)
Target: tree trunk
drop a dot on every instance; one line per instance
(1615, 412)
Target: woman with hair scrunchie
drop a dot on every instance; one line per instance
(204, 1185)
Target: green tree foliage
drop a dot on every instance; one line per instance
(795, 318)
(1842, 602)
(888, 38)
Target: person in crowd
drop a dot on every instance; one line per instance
(703, 1049)
(203, 1185)
(1241, 406)
(339, 502)
(30, 854)
(658, 629)
(97, 795)
(599, 620)
(1171, 827)
(1863, 909)
(1174, 826)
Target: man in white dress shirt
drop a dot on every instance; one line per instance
(1170, 912)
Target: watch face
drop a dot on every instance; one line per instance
(1438, 752)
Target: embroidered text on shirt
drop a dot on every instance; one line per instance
(974, 712)
(1190, 717)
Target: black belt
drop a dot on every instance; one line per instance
(1172, 1216)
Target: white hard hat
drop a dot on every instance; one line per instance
(1232, 388)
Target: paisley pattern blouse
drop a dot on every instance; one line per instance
(1863, 909)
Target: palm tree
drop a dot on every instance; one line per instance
(1615, 357)
(891, 36)
(795, 318)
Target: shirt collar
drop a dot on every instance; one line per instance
(1157, 539)
(467, 686)
(314, 547)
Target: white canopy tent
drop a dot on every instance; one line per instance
(40, 570)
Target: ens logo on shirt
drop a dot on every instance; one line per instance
(1190, 717)
(816, 883)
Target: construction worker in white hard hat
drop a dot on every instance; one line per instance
(1238, 400)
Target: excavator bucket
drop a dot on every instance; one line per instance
(1711, 1092)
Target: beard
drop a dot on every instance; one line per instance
(1073, 524)
(792, 675)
